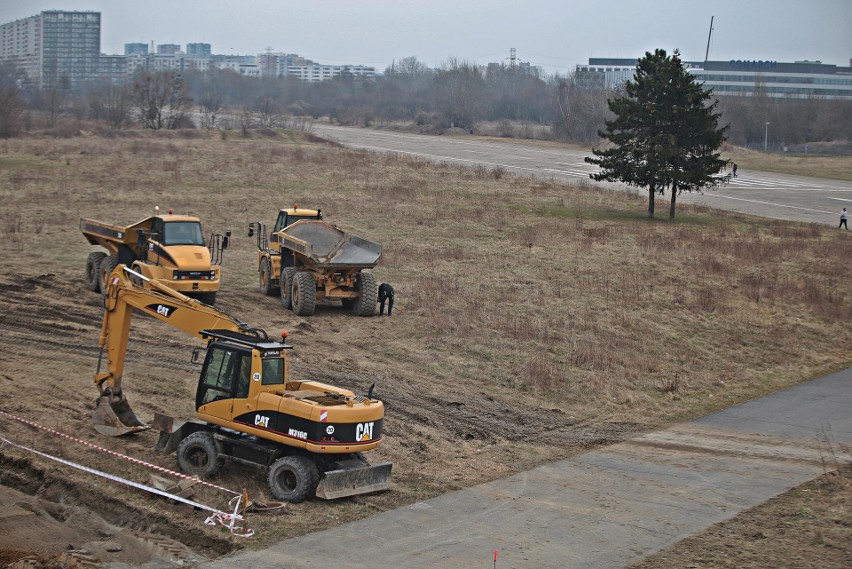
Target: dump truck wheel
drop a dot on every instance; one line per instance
(108, 265)
(198, 455)
(368, 291)
(265, 273)
(93, 270)
(286, 281)
(304, 294)
(293, 478)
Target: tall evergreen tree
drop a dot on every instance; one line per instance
(665, 133)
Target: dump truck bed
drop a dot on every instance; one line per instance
(324, 245)
(96, 232)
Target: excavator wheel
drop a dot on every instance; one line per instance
(368, 292)
(287, 274)
(93, 270)
(198, 454)
(108, 265)
(304, 294)
(265, 273)
(293, 478)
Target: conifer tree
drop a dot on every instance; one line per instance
(665, 134)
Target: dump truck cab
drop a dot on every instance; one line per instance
(170, 248)
(287, 217)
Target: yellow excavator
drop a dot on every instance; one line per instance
(307, 434)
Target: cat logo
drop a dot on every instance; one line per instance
(164, 310)
(261, 421)
(364, 431)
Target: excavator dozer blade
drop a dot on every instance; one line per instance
(114, 417)
(351, 481)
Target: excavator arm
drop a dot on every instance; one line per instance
(113, 415)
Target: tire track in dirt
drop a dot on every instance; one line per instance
(485, 417)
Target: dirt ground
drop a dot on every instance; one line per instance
(457, 414)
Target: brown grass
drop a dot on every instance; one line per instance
(565, 290)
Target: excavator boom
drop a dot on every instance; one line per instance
(113, 415)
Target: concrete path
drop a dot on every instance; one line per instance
(606, 508)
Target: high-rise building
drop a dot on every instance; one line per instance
(55, 47)
(136, 48)
(168, 49)
(198, 49)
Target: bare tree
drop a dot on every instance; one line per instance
(460, 86)
(53, 101)
(579, 110)
(111, 103)
(410, 67)
(212, 104)
(12, 101)
(161, 100)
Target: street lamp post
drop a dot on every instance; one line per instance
(765, 137)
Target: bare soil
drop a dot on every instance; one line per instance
(535, 321)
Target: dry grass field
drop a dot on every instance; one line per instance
(536, 319)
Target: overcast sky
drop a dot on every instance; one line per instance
(553, 34)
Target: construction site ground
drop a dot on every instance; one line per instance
(517, 342)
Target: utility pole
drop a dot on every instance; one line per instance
(707, 51)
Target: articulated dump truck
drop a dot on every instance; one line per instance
(169, 248)
(305, 259)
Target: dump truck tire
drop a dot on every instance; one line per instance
(286, 281)
(368, 291)
(198, 455)
(93, 270)
(265, 275)
(108, 265)
(304, 294)
(293, 478)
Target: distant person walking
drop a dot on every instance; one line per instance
(842, 221)
(385, 294)
(735, 169)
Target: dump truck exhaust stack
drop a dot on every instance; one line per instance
(113, 416)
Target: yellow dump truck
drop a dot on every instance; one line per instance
(305, 259)
(169, 248)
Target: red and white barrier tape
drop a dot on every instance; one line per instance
(117, 454)
(226, 519)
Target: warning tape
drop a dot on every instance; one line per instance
(118, 454)
(217, 516)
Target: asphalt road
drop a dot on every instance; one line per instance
(603, 509)
(779, 196)
(611, 507)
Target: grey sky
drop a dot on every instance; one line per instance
(553, 34)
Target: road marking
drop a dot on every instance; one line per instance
(769, 203)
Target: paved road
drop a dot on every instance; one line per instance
(606, 508)
(780, 196)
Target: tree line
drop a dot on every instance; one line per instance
(457, 94)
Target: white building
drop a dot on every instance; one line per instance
(800, 79)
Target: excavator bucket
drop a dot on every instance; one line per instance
(113, 417)
(351, 480)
